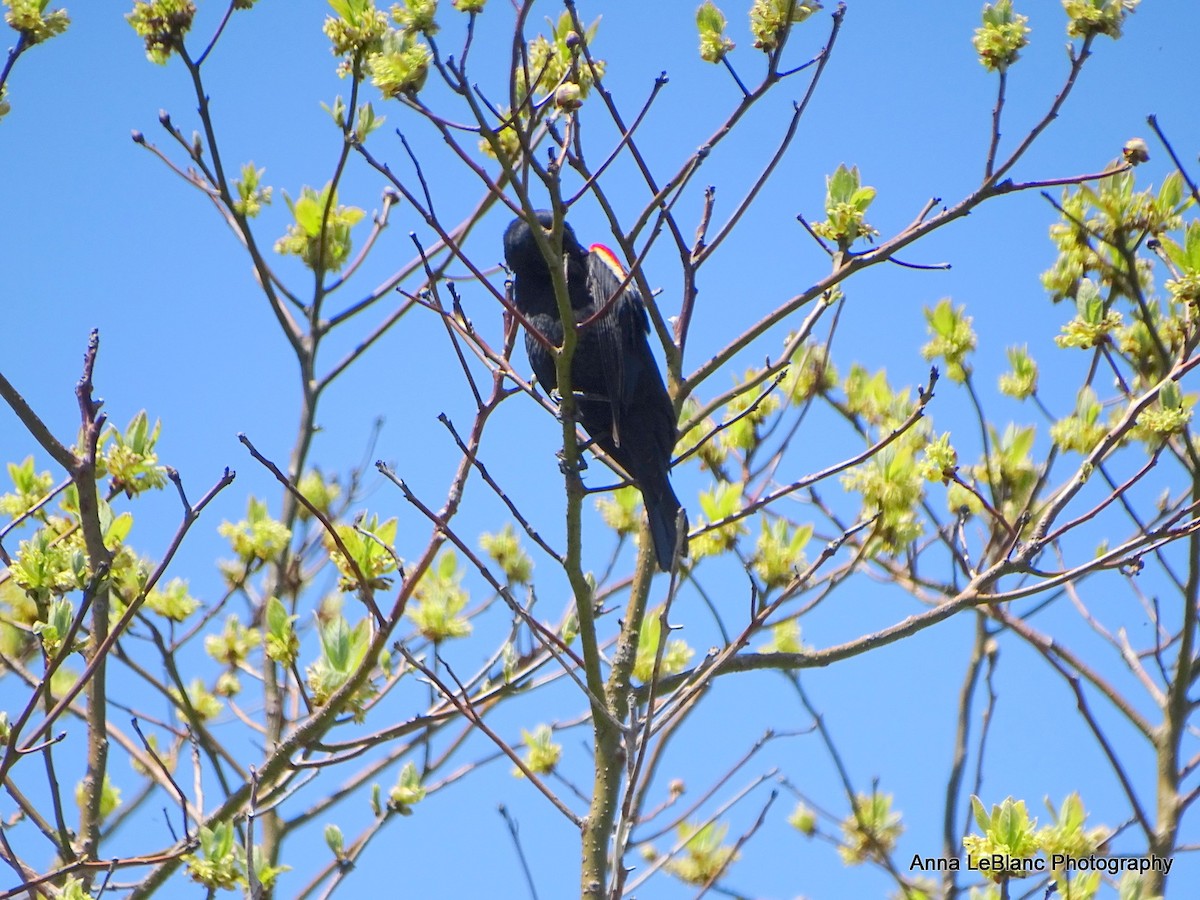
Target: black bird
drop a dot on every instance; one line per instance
(622, 401)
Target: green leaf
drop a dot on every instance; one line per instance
(1174, 252)
(1170, 194)
(118, 529)
(862, 198)
(1089, 303)
(1191, 246)
(308, 215)
(842, 185)
(277, 615)
(710, 23)
(1170, 396)
(335, 641)
(981, 816)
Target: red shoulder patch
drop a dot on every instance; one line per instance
(609, 258)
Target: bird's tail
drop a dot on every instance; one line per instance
(662, 509)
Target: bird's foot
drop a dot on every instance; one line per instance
(565, 468)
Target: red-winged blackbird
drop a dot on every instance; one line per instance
(619, 391)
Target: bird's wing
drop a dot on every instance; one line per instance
(619, 332)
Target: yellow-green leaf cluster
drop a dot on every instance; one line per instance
(407, 792)
(555, 60)
(676, 655)
(621, 510)
(416, 16)
(1069, 837)
(128, 576)
(1089, 17)
(251, 195)
(343, 650)
(1007, 831)
(172, 601)
(48, 564)
(1083, 429)
(29, 487)
(233, 645)
(1001, 36)
(1093, 323)
(1168, 416)
(198, 698)
(871, 830)
(220, 862)
(804, 819)
(228, 684)
(53, 629)
(1022, 381)
(400, 65)
(810, 374)
(115, 527)
(704, 856)
(1157, 327)
(368, 548)
(1008, 472)
(505, 549)
(357, 28)
(846, 204)
(439, 601)
(507, 147)
(779, 554)
(874, 400)
(168, 760)
(318, 490)
(769, 20)
(711, 453)
(746, 413)
(18, 613)
(1100, 226)
(724, 500)
(30, 19)
(283, 644)
(1136, 887)
(258, 536)
(892, 485)
(714, 43)
(366, 123)
(335, 841)
(130, 458)
(265, 873)
(1185, 286)
(320, 234)
(541, 752)
(73, 889)
(785, 638)
(939, 461)
(953, 338)
(161, 24)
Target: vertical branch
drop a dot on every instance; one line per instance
(99, 560)
(1175, 714)
(997, 112)
(950, 839)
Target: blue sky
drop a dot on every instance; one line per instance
(98, 233)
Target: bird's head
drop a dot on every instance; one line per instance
(521, 251)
